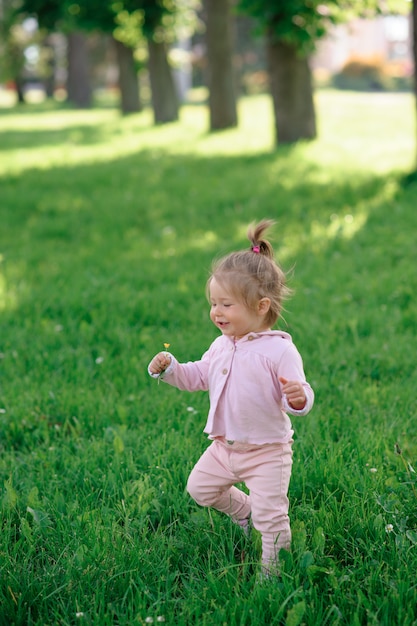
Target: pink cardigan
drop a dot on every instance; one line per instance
(246, 403)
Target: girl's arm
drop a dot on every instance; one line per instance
(191, 376)
(294, 392)
(297, 395)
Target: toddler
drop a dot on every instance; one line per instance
(255, 378)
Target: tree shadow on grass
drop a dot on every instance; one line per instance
(150, 206)
(82, 134)
(49, 106)
(130, 235)
(54, 129)
(129, 244)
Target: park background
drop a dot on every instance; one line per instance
(108, 226)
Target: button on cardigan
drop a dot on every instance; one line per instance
(242, 377)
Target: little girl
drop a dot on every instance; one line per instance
(255, 377)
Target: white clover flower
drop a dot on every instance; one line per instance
(99, 360)
(79, 614)
(2, 410)
(160, 618)
(389, 528)
(373, 470)
(149, 620)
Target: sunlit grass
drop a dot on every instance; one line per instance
(108, 229)
(347, 122)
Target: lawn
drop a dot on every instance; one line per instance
(108, 229)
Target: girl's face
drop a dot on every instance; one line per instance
(231, 316)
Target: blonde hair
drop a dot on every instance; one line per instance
(253, 274)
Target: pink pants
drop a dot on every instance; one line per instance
(266, 471)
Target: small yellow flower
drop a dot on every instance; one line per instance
(166, 345)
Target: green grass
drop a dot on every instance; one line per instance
(108, 228)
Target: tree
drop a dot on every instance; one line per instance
(221, 79)
(160, 22)
(130, 101)
(79, 88)
(292, 93)
(158, 29)
(126, 30)
(76, 21)
(131, 22)
(291, 30)
(13, 40)
(163, 90)
(64, 16)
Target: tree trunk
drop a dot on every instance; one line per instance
(49, 79)
(78, 79)
(292, 92)
(164, 95)
(128, 79)
(19, 90)
(220, 79)
(15, 61)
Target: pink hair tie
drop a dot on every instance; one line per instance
(256, 249)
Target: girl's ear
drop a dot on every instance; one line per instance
(264, 305)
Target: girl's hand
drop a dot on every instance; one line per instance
(294, 392)
(159, 363)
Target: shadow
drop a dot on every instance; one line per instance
(40, 108)
(410, 178)
(82, 134)
(49, 106)
(179, 188)
(151, 208)
(129, 231)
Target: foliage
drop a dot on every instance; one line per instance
(13, 41)
(302, 23)
(67, 16)
(165, 20)
(126, 16)
(128, 28)
(109, 226)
